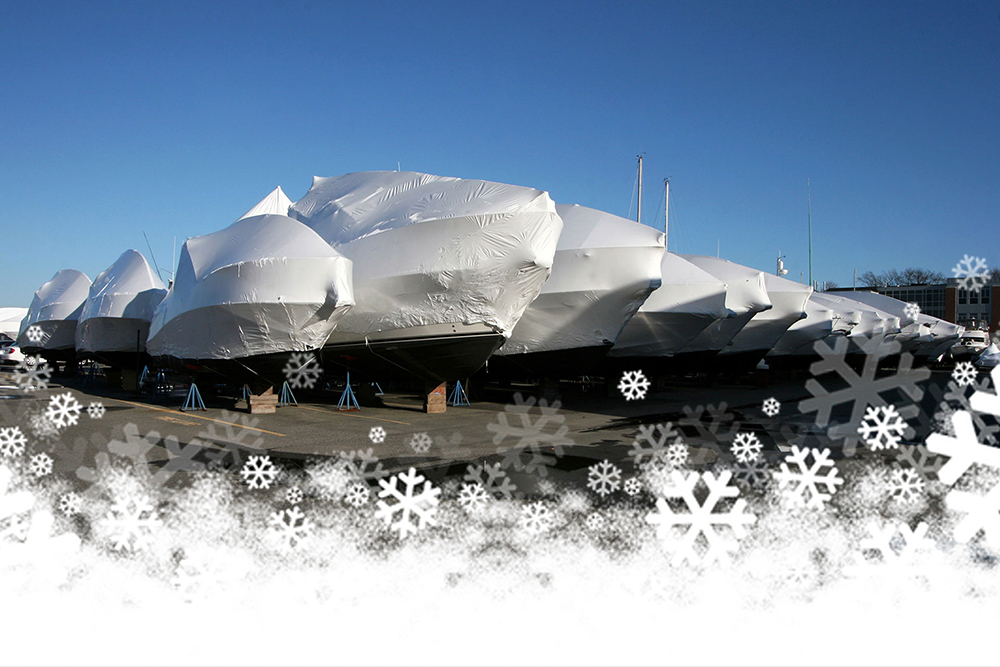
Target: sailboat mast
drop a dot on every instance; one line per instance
(666, 205)
(809, 199)
(638, 214)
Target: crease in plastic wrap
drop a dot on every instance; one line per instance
(10, 321)
(605, 268)
(430, 250)
(56, 308)
(121, 304)
(788, 306)
(688, 301)
(265, 284)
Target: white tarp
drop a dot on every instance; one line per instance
(746, 295)
(55, 309)
(276, 203)
(10, 321)
(122, 299)
(913, 331)
(687, 301)
(604, 269)
(990, 358)
(430, 250)
(263, 285)
(872, 324)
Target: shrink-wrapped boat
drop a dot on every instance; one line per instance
(49, 328)
(114, 323)
(246, 297)
(443, 267)
(604, 269)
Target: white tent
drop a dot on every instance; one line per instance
(55, 309)
(10, 322)
(122, 299)
(604, 269)
(264, 285)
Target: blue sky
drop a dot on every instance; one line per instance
(173, 119)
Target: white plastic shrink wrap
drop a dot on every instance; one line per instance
(120, 307)
(266, 284)
(431, 250)
(605, 268)
(10, 321)
(55, 309)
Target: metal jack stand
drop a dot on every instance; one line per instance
(348, 399)
(90, 373)
(143, 376)
(246, 393)
(287, 397)
(193, 400)
(161, 387)
(458, 396)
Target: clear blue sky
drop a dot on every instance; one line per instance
(174, 119)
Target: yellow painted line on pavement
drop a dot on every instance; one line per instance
(217, 421)
(352, 414)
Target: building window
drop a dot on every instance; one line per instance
(985, 295)
(962, 297)
(974, 296)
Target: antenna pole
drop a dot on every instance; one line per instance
(638, 214)
(809, 199)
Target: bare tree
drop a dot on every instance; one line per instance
(910, 276)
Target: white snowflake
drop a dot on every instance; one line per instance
(633, 486)
(633, 385)
(755, 473)
(746, 447)
(658, 437)
(541, 448)
(35, 334)
(12, 441)
(912, 310)
(604, 478)
(906, 485)
(421, 443)
(363, 464)
(96, 410)
(70, 503)
(130, 523)
(771, 407)
(896, 542)
(472, 497)
(302, 370)
(864, 389)
(921, 461)
(536, 518)
(594, 522)
(882, 427)
(720, 428)
(291, 526)
(677, 454)
(63, 410)
(377, 434)
(259, 473)
(294, 495)
(357, 496)
(32, 373)
(702, 518)
(964, 373)
(972, 273)
(802, 486)
(546, 487)
(41, 465)
(492, 478)
(424, 504)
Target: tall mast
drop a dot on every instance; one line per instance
(638, 214)
(666, 205)
(809, 196)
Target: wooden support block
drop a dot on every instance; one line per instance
(436, 399)
(265, 403)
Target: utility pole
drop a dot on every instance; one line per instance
(809, 196)
(666, 203)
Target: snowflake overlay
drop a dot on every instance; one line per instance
(535, 450)
(492, 478)
(421, 443)
(658, 437)
(472, 497)
(964, 373)
(302, 371)
(377, 435)
(357, 496)
(604, 478)
(912, 310)
(32, 374)
(802, 486)
(633, 385)
(131, 523)
(259, 473)
(972, 273)
(423, 504)
(12, 441)
(882, 428)
(41, 465)
(536, 518)
(70, 503)
(294, 495)
(896, 542)
(96, 410)
(35, 334)
(63, 410)
(746, 447)
(771, 407)
(291, 526)
(701, 518)
(906, 485)
(632, 486)
(864, 390)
